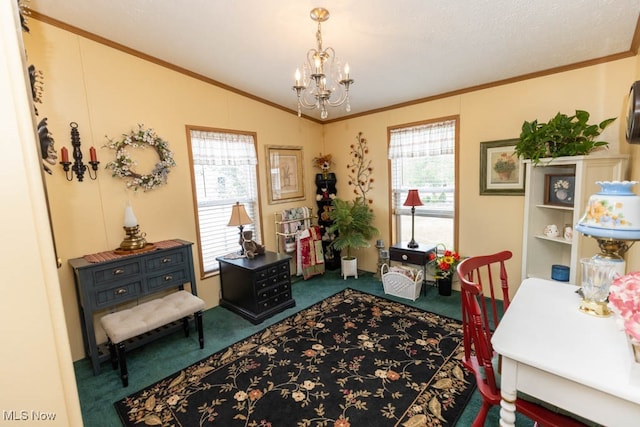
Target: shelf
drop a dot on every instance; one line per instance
(540, 252)
(554, 239)
(560, 208)
(303, 223)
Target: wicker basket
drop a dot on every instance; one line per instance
(399, 285)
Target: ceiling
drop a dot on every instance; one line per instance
(398, 51)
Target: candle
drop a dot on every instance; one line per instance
(297, 77)
(130, 219)
(65, 155)
(92, 154)
(346, 70)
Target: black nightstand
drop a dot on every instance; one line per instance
(257, 288)
(400, 252)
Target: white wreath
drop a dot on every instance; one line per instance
(123, 164)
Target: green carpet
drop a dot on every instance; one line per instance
(222, 328)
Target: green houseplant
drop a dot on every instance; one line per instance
(563, 135)
(352, 226)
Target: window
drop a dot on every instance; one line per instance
(423, 157)
(224, 171)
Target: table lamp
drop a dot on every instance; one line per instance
(133, 240)
(612, 217)
(413, 200)
(239, 218)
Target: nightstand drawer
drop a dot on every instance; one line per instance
(408, 256)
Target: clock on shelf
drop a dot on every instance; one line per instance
(633, 114)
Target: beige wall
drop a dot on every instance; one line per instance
(108, 92)
(492, 223)
(38, 382)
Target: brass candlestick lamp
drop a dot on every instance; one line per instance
(134, 240)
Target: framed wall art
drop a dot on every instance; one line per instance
(501, 171)
(284, 174)
(559, 189)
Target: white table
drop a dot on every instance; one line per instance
(554, 352)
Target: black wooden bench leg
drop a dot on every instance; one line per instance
(123, 364)
(112, 355)
(199, 326)
(185, 326)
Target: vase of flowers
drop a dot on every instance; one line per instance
(445, 262)
(624, 301)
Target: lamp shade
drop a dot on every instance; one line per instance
(413, 199)
(130, 219)
(239, 215)
(612, 213)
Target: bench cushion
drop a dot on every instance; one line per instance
(149, 315)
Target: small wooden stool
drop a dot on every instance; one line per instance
(143, 318)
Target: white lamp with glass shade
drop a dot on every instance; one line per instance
(612, 217)
(133, 240)
(239, 218)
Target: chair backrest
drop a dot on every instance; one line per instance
(476, 274)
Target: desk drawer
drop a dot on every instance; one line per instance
(410, 257)
(122, 271)
(117, 294)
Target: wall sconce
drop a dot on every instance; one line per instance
(78, 167)
(413, 200)
(240, 218)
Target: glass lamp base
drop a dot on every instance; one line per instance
(595, 308)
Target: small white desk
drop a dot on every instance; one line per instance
(554, 352)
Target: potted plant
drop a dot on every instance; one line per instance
(563, 135)
(445, 261)
(352, 226)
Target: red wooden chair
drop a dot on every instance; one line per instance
(476, 274)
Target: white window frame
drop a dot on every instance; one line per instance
(215, 238)
(398, 193)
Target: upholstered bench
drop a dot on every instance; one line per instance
(123, 325)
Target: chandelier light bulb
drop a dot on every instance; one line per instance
(297, 76)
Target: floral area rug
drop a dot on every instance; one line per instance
(353, 359)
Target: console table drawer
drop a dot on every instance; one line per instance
(170, 259)
(166, 279)
(117, 294)
(121, 271)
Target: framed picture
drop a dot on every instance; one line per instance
(501, 171)
(559, 189)
(284, 174)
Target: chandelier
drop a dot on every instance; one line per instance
(324, 82)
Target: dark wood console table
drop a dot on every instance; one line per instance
(107, 279)
(257, 288)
